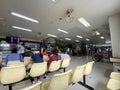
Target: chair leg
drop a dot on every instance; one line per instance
(10, 87)
(84, 83)
(84, 79)
(64, 69)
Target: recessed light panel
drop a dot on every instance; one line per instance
(62, 31)
(51, 35)
(24, 17)
(84, 22)
(21, 28)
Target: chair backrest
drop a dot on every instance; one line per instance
(45, 58)
(54, 66)
(38, 69)
(88, 68)
(14, 63)
(12, 74)
(1, 59)
(27, 60)
(36, 86)
(59, 81)
(65, 62)
(78, 73)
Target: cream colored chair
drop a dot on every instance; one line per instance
(88, 70)
(58, 82)
(38, 69)
(65, 63)
(115, 75)
(13, 74)
(27, 60)
(36, 86)
(113, 84)
(54, 66)
(77, 74)
(45, 58)
(14, 63)
(1, 59)
(27, 63)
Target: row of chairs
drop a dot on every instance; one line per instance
(63, 80)
(16, 71)
(114, 81)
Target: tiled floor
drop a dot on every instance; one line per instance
(97, 79)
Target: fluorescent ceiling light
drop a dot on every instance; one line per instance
(84, 22)
(62, 31)
(51, 35)
(97, 33)
(24, 17)
(102, 37)
(24, 29)
(108, 42)
(87, 39)
(76, 40)
(67, 38)
(54, 0)
(79, 36)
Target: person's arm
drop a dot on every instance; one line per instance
(21, 58)
(5, 61)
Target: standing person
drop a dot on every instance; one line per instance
(21, 49)
(14, 56)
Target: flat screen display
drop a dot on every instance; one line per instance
(13, 39)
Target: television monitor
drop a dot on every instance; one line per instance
(13, 39)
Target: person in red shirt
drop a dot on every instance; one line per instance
(54, 57)
(44, 52)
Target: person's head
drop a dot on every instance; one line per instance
(43, 50)
(14, 50)
(29, 48)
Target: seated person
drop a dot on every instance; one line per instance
(14, 56)
(37, 58)
(55, 56)
(44, 52)
(27, 52)
(64, 55)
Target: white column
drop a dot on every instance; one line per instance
(114, 24)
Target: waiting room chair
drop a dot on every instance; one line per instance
(115, 75)
(38, 69)
(45, 58)
(27, 60)
(58, 82)
(1, 59)
(27, 63)
(36, 86)
(113, 84)
(77, 74)
(14, 63)
(13, 74)
(88, 70)
(54, 66)
(65, 63)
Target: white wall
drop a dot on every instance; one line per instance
(114, 24)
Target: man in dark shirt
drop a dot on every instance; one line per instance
(27, 52)
(37, 58)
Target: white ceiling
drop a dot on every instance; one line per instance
(96, 12)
